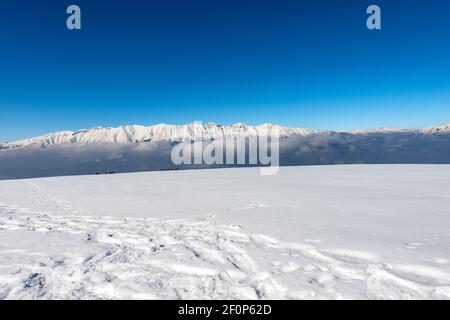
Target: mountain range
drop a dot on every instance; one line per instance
(195, 131)
(138, 148)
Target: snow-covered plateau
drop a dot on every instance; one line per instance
(319, 232)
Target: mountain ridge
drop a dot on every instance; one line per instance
(159, 132)
(174, 133)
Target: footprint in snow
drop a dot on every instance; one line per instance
(412, 245)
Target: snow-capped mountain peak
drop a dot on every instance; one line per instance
(436, 129)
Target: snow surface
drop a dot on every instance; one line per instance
(325, 232)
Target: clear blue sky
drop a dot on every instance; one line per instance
(297, 63)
